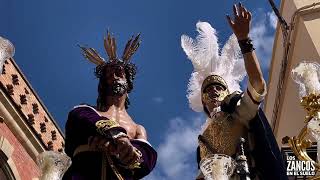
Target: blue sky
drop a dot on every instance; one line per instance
(45, 34)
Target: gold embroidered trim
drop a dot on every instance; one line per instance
(104, 125)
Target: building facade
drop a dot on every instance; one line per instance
(282, 104)
(26, 126)
(283, 110)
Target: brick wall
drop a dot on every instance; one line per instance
(33, 112)
(25, 165)
(28, 103)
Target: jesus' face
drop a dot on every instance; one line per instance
(115, 78)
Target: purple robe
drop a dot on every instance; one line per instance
(88, 165)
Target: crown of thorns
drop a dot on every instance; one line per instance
(111, 49)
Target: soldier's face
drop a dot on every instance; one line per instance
(116, 79)
(213, 95)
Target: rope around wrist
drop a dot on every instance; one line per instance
(246, 45)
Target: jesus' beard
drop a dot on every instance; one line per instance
(119, 88)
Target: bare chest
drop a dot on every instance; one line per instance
(124, 121)
(130, 127)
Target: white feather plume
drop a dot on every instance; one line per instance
(306, 75)
(203, 48)
(194, 91)
(232, 65)
(203, 51)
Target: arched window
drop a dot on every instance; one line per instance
(5, 170)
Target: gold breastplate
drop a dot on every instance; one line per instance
(222, 134)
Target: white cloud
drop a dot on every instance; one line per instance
(157, 100)
(177, 152)
(272, 19)
(262, 34)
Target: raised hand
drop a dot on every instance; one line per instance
(240, 24)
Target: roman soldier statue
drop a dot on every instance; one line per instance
(233, 116)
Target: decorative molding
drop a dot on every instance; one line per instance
(43, 127)
(53, 135)
(7, 149)
(50, 145)
(19, 127)
(15, 79)
(10, 89)
(23, 99)
(13, 169)
(35, 108)
(30, 119)
(26, 102)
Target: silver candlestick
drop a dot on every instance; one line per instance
(217, 167)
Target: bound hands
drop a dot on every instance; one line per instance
(121, 148)
(240, 24)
